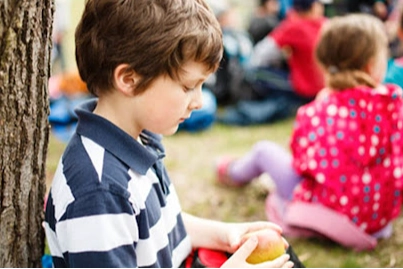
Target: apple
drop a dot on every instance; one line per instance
(270, 246)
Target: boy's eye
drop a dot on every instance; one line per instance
(189, 89)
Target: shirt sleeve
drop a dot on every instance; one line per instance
(265, 53)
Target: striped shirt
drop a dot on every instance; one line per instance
(112, 203)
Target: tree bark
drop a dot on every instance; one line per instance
(25, 46)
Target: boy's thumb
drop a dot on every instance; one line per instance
(246, 248)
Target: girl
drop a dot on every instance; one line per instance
(346, 144)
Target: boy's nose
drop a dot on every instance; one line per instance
(197, 99)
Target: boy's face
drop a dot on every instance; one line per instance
(167, 103)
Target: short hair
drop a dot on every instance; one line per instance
(347, 43)
(303, 5)
(154, 37)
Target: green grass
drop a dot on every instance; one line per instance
(190, 162)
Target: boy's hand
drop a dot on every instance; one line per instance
(238, 259)
(235, 232)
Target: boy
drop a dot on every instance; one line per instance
(112, 203)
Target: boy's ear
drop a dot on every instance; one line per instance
(125, 79)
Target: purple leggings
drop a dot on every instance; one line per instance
(271, 158)
(276, 161)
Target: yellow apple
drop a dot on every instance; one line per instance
(270, 246)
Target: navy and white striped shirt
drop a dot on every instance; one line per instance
(112, 203)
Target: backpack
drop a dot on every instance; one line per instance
(209, 258)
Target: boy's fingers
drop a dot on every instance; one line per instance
(288, 264)
(286, 245)
(249, 245)
(268, 225)
(246, 248)
(280, 262)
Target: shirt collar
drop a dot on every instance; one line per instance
(103, 132)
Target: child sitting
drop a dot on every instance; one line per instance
(112, 203)
(282, 90)
(346, 145)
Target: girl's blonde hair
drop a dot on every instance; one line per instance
(346, 45)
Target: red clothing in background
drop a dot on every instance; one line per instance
(301, 35)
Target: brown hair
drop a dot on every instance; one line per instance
(154, 37)
(346, 45)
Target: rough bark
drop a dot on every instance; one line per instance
(25, 44)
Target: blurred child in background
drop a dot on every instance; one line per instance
(378, 8)
(227, 83)
(282, 90)
(61, 24)
(264, 19)
(346, 145)
(296, 38)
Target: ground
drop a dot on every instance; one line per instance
(190, 162)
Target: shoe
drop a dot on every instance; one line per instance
(223, 176)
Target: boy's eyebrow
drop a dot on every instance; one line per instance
(194, 81)
(188, 77)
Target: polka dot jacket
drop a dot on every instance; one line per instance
(347, 147)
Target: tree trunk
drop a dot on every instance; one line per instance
(25, 45)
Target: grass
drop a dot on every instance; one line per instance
(190, 163)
